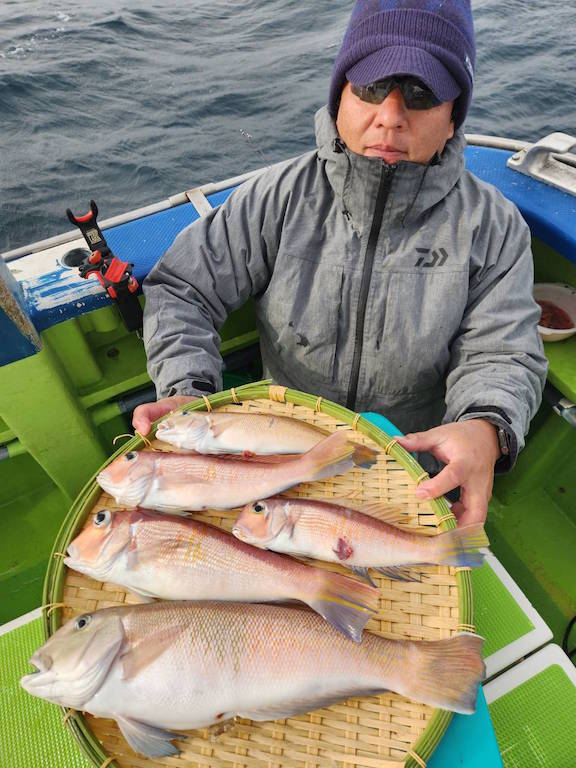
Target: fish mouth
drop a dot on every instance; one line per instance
(245, 534)
(130, 493)
(240, 532)
(37, 679)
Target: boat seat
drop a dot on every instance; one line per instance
(533, 709)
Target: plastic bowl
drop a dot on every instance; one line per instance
(563, 296)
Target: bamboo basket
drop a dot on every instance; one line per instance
(385, 731)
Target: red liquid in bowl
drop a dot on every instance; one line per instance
(554, 317)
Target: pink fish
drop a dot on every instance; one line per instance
(174, 558)
(336, 534)
(173, 482)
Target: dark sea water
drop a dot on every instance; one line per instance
(132, 102)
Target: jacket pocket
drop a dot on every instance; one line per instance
(298, 315)
(423, 315)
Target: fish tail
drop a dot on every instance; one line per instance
(446, 673)
(345, 603)
(460, 547)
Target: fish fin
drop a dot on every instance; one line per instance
(446, 673)
(363, 456)
(141, 654)
(345, 603)
(399, 573)
(149, 740)
(329, 457)
(363, 572)
(460, 546)
(304, 704)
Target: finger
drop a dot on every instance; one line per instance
(466, 515)
(418, 441)
(444, 481)
(140, 419)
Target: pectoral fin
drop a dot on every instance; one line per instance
(147, 739)
(147, 650)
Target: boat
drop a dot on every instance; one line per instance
(71, 374)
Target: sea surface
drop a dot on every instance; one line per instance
(132, 102)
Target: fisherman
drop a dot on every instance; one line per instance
(386, 277)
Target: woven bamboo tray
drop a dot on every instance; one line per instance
(384, 731)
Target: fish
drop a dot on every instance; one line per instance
(163, 556)
(337, 534)
(165, 667)
(252, 434)
(176, 482)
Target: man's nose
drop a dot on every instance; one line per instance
(392, 111)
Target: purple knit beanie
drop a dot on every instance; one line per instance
(432, 40)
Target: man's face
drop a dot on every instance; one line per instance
(390, 130)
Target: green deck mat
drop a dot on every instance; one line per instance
(498, 617)
(536, 722)
(31, 730)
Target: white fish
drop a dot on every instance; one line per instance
(241, 433)
(165, 666)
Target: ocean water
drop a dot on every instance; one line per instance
(132, 102)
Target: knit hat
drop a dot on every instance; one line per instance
(432, 40)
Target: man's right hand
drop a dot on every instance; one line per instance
(146, 413)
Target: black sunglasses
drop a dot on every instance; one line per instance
(416, 95)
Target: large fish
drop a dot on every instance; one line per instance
(242, 433)
(337, 534)
(174, 482)
(180, 559)
(174, 665)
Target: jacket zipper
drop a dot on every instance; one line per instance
(383, 191)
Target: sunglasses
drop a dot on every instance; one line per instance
(416, 95)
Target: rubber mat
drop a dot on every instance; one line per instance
(498, 617)
(31, 732)
(536, 722)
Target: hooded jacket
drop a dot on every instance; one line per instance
(404, 289)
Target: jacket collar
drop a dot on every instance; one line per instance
(354, 178)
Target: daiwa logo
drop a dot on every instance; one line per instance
(469, 67)
(437, 258)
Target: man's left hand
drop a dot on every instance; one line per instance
(469, 449)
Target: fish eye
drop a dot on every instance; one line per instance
(131, 456)
(258, 507)
(102, 518)
(82, 621)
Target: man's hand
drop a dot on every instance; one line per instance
(146, 413)
(469, 449)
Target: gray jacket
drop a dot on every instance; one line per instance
(405, 290)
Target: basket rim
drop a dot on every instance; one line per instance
(427, 742)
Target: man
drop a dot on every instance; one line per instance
(386, 277)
